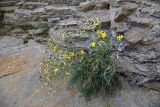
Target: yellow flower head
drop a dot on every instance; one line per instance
(97, 18)
(55, 48)
(55, 70)
(82, 52)
(64, 62)
(66, 56)
(60, 51)
(95, 22)
(83, 31)
(102, 34)
(119, 37)
(72, 54)
(93, 44)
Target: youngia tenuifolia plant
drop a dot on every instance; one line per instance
(92, 69)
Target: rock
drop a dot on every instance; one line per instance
(25, 88)
(142, 60)
(58, 1)
(35, 32)
(102, 5)
(155, 31)
(1, 16)
(53, 20)
(23, 13)
(44, 1)
(103, 15)
(59, 11)
(33, 5)
(20, 59)
(5, 30)
(150, 9)
(120, 27)
(20, 4)
(7, 41)
(144, 69)
(17, 30)
(71, 37)
(142, 56)
(7, 3)
(10, 18)
(153, 36)
(120, 1)
(68, 22)
(86, 6)
(73, 2)
(40, 11)
(120, 14)
(133, 37)
(142, 23)
(44, 17)
(153, 85)
(15, 62)
(9, 9)
(68, 2)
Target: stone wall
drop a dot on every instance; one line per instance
(137, 20)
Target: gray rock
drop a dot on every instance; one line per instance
(10, 42)
(155, 31)
(73, 2)
(68, 22)
(59, 11)
(103, 15)
(68, 2)
(101, 5)
(133, 37)
(69, 37)
(33, 5)
(86, 6)
(140, 25)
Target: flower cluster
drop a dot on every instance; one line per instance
(120, 37)
(92, 23)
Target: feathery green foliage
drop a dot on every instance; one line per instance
(94, 70)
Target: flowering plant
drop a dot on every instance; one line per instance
(93, 68)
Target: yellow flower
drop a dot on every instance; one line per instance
(119, 37)
(55, 48)
(67, 56)
(95, 23)
(97, 18)
(93, 44)
(55, 70)
(60, 51)
(82, 52)
(64, 62)
(72, 54)
(83, 31)
(102, 34)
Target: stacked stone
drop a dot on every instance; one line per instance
(138, 21)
